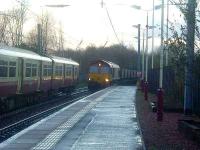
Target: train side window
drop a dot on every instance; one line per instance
(45, 71)
(34, 70)
(58, 70)
(3, 68)
(12, 69)
(49, 70)
(28, 70)
(68, 71)
(75, 72)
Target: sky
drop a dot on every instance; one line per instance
(87, 20)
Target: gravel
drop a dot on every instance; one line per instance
(161, 135)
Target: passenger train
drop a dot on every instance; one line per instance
(24, 73)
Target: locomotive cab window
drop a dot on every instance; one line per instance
(93, 69)
(104, 69)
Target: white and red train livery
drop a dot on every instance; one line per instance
(26, 72)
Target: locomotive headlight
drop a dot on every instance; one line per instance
(107, 80)
(89, 79)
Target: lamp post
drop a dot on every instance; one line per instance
(152, 58)
(146, 71)
(146, 51)
(153, 17)
(138, 60)
(167, 32)
(160, 90)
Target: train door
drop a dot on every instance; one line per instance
(73, 73)
(52, 73)
(40, 68)
(20, 73)
(64, 74)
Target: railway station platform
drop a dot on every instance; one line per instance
(104, 120)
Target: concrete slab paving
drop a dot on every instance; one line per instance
(113, 125)
(104, 120)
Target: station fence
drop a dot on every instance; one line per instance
(174, 87)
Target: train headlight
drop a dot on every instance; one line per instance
(107, 80)
(89, 79)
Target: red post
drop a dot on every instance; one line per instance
(160, 104)
(146, 91)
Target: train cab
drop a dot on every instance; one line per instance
(102, 73)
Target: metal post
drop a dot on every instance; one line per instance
(161, 47)
(146, 73)
(143, 51)
(152, 59)
(147, 26)
(160, 90)
(143, 54)
(139, 62)
(39, 38)
(190, 37)
(167, 33)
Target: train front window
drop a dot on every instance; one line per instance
(93, 69)
(104, 70)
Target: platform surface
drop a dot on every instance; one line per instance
(105, 120)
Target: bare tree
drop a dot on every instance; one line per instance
(4, 21)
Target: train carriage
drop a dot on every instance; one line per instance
(65, 73)
(102, 73)
(19, 71)
(25, 72)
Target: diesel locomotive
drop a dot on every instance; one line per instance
(102, 73)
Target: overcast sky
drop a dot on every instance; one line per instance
(86, 20)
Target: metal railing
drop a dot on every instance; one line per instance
(174, 86)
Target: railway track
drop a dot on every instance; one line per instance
(37, 115)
